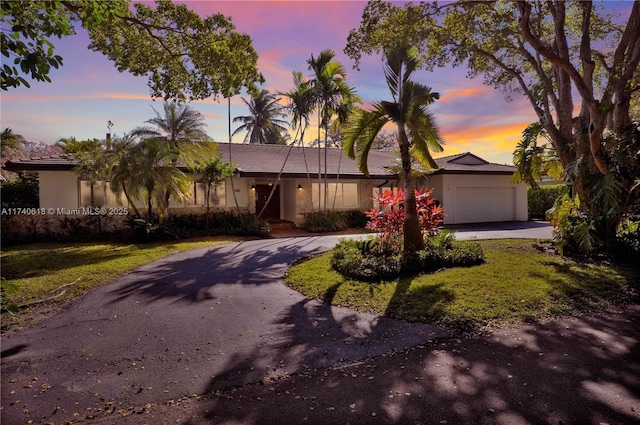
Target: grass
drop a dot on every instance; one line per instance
(39, 271)
(517, 284)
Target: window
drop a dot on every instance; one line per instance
(345, 195)
(218, 197)
(100, 189)
(379, 190)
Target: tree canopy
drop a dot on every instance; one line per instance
(575, 63)
(543, 50)
(183, 55)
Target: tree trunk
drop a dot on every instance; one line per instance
(326, 179)
(149, 207)
(207, 196)
(319, 168)
(129, 200)
(413, 240)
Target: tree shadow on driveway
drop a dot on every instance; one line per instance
(584, 370)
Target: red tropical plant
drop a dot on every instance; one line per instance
(389, 218)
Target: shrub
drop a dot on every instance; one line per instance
(543, 199)
(371, 260)
(21, 229)
(181, 226)
(324, 221)
(355, 219)
(389, 220)
(20, 193)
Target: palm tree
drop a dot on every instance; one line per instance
(301, 103)
(91, 162)
(263, 125)
(9, 139)
(213, 174)
(150, 175)
(333, 98)
(122, 168)
(533, 160)
(182, 127)
(416, 128)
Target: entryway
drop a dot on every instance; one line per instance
(272, 211)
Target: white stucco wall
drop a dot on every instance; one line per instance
(58, 189)
(241, 186)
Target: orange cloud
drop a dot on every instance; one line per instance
(494, 142)
(451, 95)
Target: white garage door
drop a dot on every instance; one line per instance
(485, 204)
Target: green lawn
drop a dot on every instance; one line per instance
(516, 284)
(40, 270)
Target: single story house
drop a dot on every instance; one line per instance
(471, 189)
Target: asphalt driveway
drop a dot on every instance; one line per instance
(188, 324)
(176, 341)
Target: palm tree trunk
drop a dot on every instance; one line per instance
(335, 193)
(306, 166)
(207, 196)
(413, 240)
(273, 189)
(149, 206)
(326, 181)
(319, 166)
(233, 189)
(129, 200)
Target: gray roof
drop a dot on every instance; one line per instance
(253, 160)
(267, 160)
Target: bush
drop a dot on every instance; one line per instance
(389, 220)
(324, 221)
(355, 219)
(20, 193)
(22, 229)
(371, 260)
(543, 199)
(180, 226)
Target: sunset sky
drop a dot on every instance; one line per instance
(88, 90)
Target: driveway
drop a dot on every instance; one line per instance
(188, 324)
(196, 323)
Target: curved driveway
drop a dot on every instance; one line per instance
(191, 323)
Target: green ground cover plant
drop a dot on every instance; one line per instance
(60, 273)
(517, 284)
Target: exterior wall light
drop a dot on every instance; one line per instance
(299, 187)
(253, 187)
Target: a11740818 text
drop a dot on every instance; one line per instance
(66, 211)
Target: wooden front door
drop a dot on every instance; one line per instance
(272, 211)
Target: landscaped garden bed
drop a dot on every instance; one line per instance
(516, 284)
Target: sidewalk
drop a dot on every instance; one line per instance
(500, 230)
(573, 371)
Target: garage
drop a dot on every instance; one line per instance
(484, 204)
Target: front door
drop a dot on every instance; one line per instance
(272, 211)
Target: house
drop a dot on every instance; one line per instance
(471, 189)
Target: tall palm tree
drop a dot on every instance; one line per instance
(301, 103)
(264, 124)
(416, 128)
(182, 127)
(150, 174)
(333, 98)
